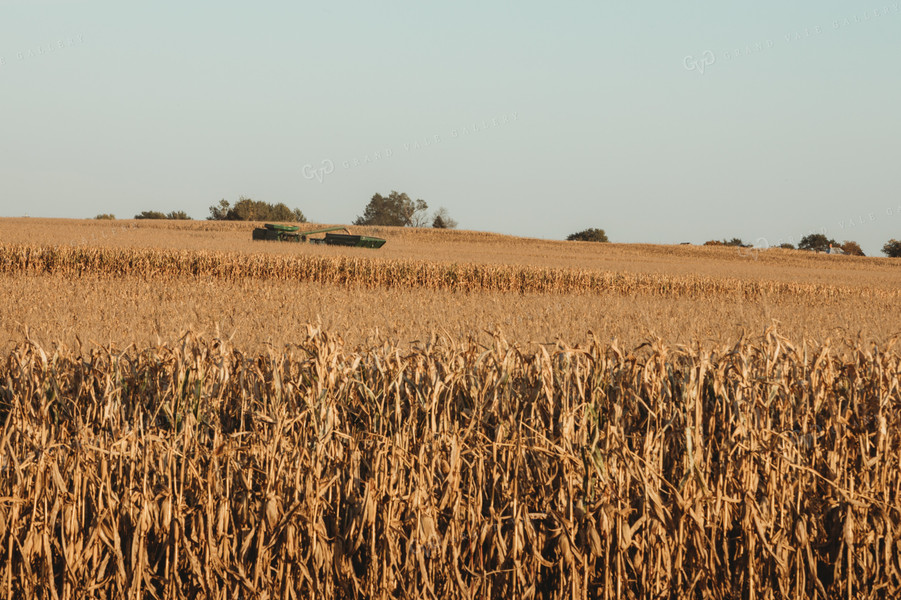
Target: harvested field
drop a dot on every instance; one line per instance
(255, 315)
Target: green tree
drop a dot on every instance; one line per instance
(816, 242)
(852, 248)
(220, 211)
(150, 214)
(394, 210)
(178, 215)
(892, 248)
(106, 217)
(787, 246)
(442, 220)
(247, 209)
(588, 235)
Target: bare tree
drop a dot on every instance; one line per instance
(442, 220)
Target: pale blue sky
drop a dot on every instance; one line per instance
(575, 115)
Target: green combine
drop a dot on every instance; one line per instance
(290, 233)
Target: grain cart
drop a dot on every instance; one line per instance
(291, 233)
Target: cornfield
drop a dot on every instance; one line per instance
(374, 273)
(765, 469)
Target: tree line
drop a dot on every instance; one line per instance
(394, 210)
(399, 210)
(818, 242)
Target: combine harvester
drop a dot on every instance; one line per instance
(290, 233)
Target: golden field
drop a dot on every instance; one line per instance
(424, 282)
(187, 413)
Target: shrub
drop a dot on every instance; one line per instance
(106, 217)
(733, 242)
(588, 235)
(150, 214)
(246, 209)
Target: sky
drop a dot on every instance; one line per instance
(657, 122)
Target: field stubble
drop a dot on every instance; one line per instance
(127, 282)
(256, 314)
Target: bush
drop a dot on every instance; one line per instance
(246, 209)
(787, 246)
(106, 217)
(588, 235)
(733, 242)
(892, 248)
(175, 215)
(150, 214)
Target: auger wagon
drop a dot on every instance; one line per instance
(291, 233)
